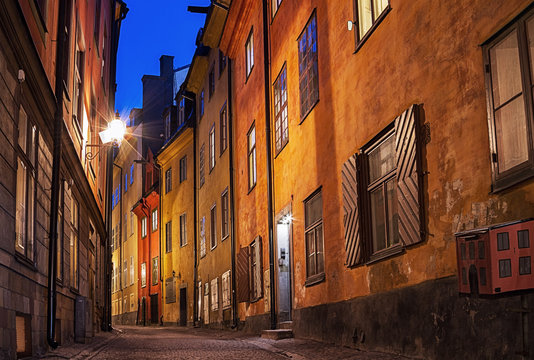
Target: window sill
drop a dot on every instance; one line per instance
(25, 261)
(504, 183)
(282, 148)
(224, 237)
(315, 279)
(384, 254)
(302, 118)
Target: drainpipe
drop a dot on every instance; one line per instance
(120, 234)
(266, 69)
(160, 236)
(62, 38)
(196, 293)
(232, 209)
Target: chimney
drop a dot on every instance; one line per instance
(166, 65)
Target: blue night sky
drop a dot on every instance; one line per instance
(153, 28)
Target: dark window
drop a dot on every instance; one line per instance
(97, 23)
(183, 169)
(74, 246)
(464, 276)
(524, 265)
(481, 250)
(256, 266)
(213, 227)
(168, 180)
(471, 250)
(313, 229)
(201, 104)
(223, 118)
(77, 100)
(224, 215)
(509, 80)
(201, 161)
(463, 251)
(26, 185)
(308, 67)
(503, 242)
(251, 157)
(369, 13)
(505, 268)
(211, 80)
(482, 275)
(523, 240)
(212, 147)
(181, 112)
(222, 62)
(249, 53)
(275, 4)
(168, 236)
(183, 230)
(281, 131)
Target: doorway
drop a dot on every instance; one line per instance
(183, 306)
(154, 308)
(283, 253)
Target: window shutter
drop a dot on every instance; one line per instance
(351, 216)
(258, 276)
(243, 292)
(407, 157)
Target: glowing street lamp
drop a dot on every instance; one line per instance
(113, 136)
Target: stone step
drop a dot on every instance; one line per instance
(277, 334)
(286, 325)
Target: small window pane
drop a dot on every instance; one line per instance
(20, 215)
(378, 222)
(503, 242)
(482, 275)
(505, 70)
(314, 209)
(365, 18)
(481, 250)
(524, 265)
(378, 7)
(393, 223)
(505, 268)
(23, 123)
(523, 240)
(319, 247)
(382, 159)
(511, 134)
(310, 243)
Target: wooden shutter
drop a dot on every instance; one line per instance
(242, 278)
(351, 217)
(409, 185)
(258, 276)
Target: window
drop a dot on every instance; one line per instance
(183, 169)
(249, 52)
(308, 67)
(381, 193)
(275, 4)
(77, 100)
(143, 274)
(201, 104)
(143, 226)
(313, 223)
(183, 230)
(168, 236)
(226, 297)
(125, 274)
(224, 215)
(154, 220)
(212, 147)
(211, 80)
(155, 271)
(201, 165)
(167, 125)
(281, 131)
(59, 239)
(213, 227)
(251, 157)
(369, 14)
(256, 265)
(126, 182)
(215, 294)
(222, 62)
(74, 248)
(509, 61)
(25, 186)
(181, 112)
(125, 237)
(168, 180)
(131, 174)
(131, 223)
(223, 118)
(97, 23)
(203, 236)
(132, 273)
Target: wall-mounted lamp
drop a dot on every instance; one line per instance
(350, 25)
(112, 136)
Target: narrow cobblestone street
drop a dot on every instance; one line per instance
(185, 343)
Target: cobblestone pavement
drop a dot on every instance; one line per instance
(186, 343)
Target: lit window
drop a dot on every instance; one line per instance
(281, 131)
(251, 157)
(154, 220)
(212, 147)
(213, 227)
(183, 169)
(143, 226)
(183, 230)
(370, 13)
(249, 53)
(223, 120)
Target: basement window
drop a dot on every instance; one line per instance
(23, 335)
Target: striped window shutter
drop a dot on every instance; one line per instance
(409, 177)
(351, 216)
(242, 279)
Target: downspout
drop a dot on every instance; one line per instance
(232, 210)
(266, 69)
(196, 293)
(56, 163)
(160, 214)
(120, 233)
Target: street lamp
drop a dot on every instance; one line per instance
(112, 136)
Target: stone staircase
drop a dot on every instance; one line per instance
(284, 331)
